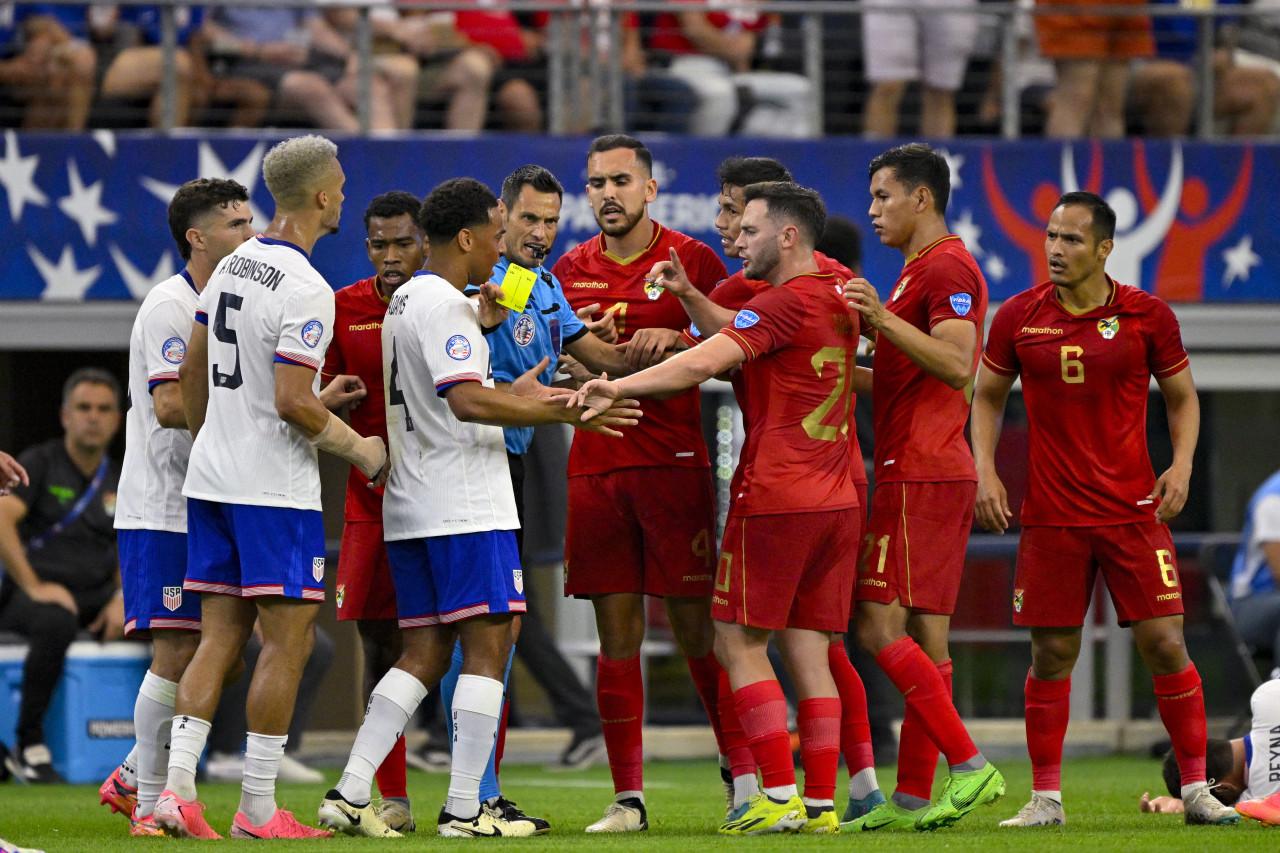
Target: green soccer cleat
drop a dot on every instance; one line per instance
(762, 815)
(963, 793)
(887, 815)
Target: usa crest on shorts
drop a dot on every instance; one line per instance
(172, 597)
(317, 568)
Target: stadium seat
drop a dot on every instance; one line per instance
(1217, 553)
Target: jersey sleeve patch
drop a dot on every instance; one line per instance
(173, 350)
(745, 319)
(458, 348)
(961, 303)
(312, 332)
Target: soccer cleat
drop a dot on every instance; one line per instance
(762, 815)
(820, 820)
(182, 818)
(963, 793)
(293, 770)
(726, 779)
(501, 807)
(115, 793)
(626, 815)
(342, 816)
(888, 815)
(1041, 811)
(1203, 809)
(858, 808)
(282, 825)
(483, 825)
(33, 765)
(584, 750)
(1264, 811)
(396, 815)
(143, 825)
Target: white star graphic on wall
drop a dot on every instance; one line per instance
(84, 205)
(210, 165)
(138, 282)
(106, 140)
(970, 232)
(17, 173)
(1240, 259)
(63, 281)
(954, 162)
(995, 267)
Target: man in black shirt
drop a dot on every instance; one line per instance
(58, 547)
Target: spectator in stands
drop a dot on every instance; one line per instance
(311, 67)
(11, 474)
(45, 69)
(521, 77)
(713, 52)
(58, 547)
(1163, 93)
(1255, 576)
(904, 42)
(136, 71)
(1091, 54)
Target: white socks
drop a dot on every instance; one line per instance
(152, 719)
(186, 742)
(477, 706)
(391, 705)
(862, 783)
(262, 754)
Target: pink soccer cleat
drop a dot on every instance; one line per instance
(115, 793)
(282, 825)
(182, 818)
(143, 825)
(1264, 811)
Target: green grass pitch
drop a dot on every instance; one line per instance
(685, 801)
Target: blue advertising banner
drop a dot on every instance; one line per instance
(86, 213)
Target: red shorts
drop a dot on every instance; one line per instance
(365, 589)
(642, 530)
(1053, 583)
(1095, 36)
(788, 571)
(864, 509)
(913, 548)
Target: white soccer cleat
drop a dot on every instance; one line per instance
(623, 816)
(397, 816)
(349, 819)
(484, 825)
(1203, 809)
(1041, 811)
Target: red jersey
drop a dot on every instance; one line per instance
(357, 350)
(1085, 380)
(736, 291)
(731, 17)
(801, 341)
(670, 433)
(919, 420)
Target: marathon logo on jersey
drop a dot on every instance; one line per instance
(897, 291)
(594, 285)
(317, 568)
(517, 576)
(1109, 328)
(172, 597)
(263, 273)
(745, 319)
(961, 303)
(312, 333)
(1017, 600)
(524, 330)
(458, 348)
(173, 350)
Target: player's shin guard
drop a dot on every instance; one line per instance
(620, 696)
(917, 753)
(855, 729)
(762, 708)
(1048, 711)
(819, 723)
(1180, 700)
(392, 774)
(920, 682)
(706, 680)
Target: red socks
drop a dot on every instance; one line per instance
(1048, 711)
(501, 743)
(917, 754)
(706, 680)
(391, 775)
(820, 726)
(763, 711)
(855, 731)
(1181, 704)
(620, 696)
(919, 680)
(734, 740)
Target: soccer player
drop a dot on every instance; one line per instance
(641, 512)
(255, 541)
(788, 558)
(928, 343)
(365, 592)
(449, 512)
(1087, 348)
(208, 218)
(713, 311)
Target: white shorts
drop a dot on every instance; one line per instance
(918, 44)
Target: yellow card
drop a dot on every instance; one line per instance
(517, 284)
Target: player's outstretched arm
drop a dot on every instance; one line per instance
(471, 402)
(1183, 406)
(945, 353)
(990, 395)
(193, 378)
(298, 406)
(705, 314)
(681, 372)
(11, 474)
(605, 328)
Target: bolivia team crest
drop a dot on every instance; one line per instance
(173, 350)
(172, 597)
(1109, 327)
(317, 568)
(458, 348)
(524, 330)
(342, 594)
(1017, 600)
(897, 291)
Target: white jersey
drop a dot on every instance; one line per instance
(264, 303)
(447, 476)
(1262, 745)
(155, 457)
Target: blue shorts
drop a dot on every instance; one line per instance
(443, 579)
(246, 550)
(153, 566)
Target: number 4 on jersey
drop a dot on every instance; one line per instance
(395, 394)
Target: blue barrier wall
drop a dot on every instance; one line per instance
(86, 213)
